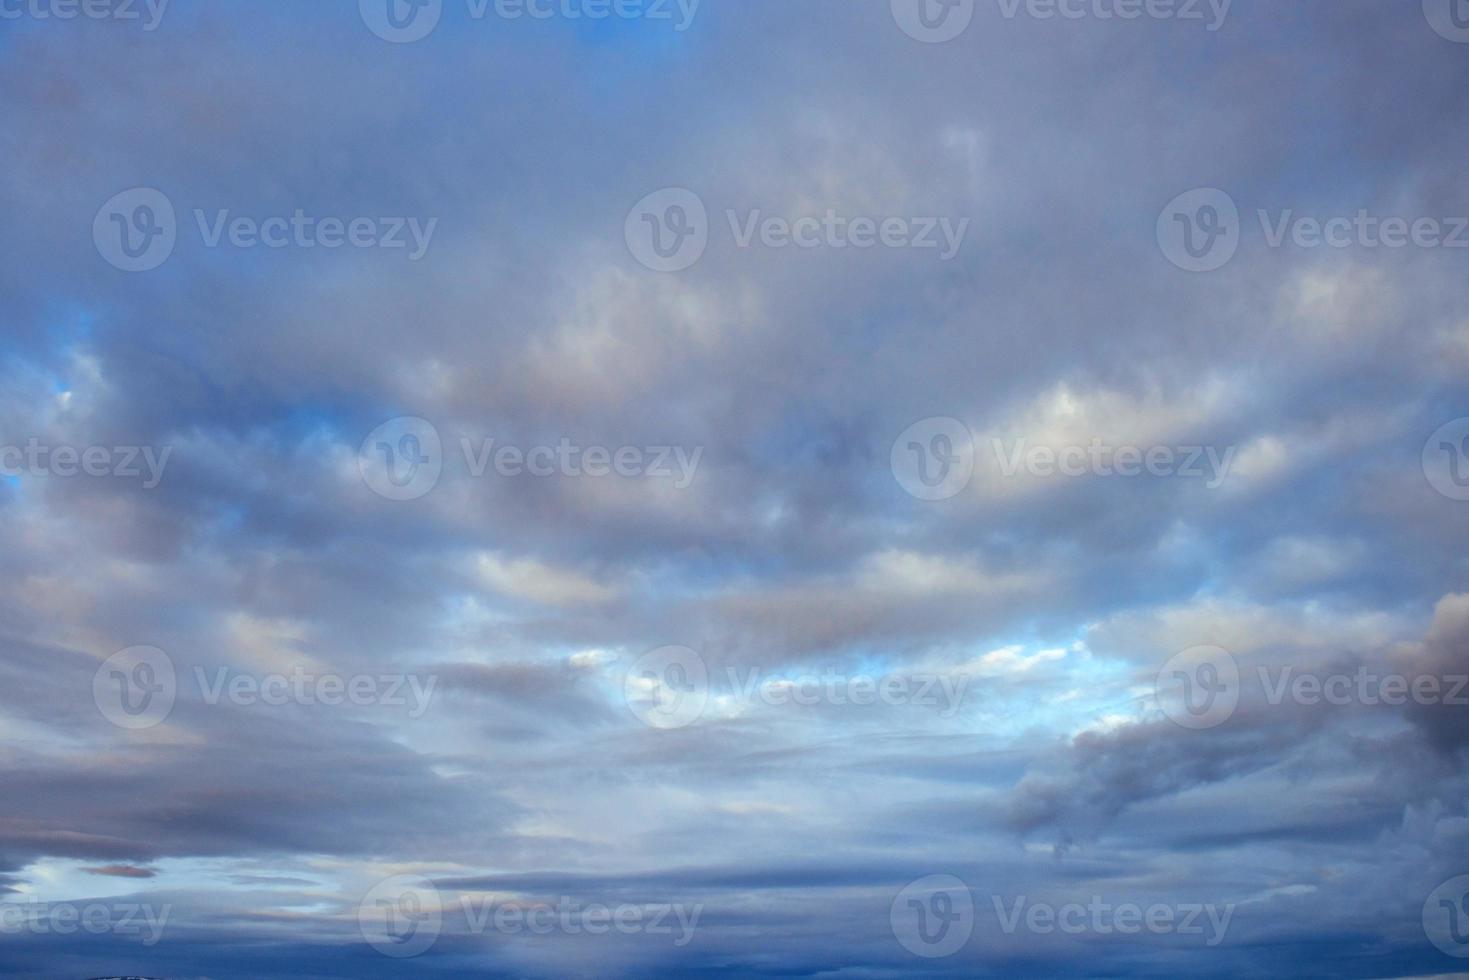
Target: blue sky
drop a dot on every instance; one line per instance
(841, 485)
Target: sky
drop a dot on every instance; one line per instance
(745, 488)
